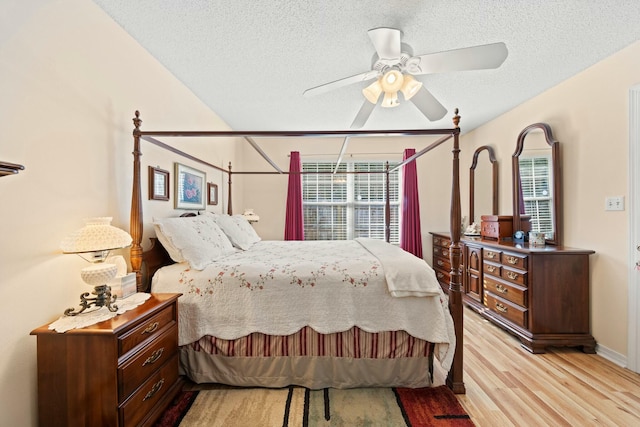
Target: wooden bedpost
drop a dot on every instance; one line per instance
(387, 206)
(135, 224)
(455, 377)
(229, 210)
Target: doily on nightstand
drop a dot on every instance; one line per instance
(66, 323)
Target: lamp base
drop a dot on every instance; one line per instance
(103, 298)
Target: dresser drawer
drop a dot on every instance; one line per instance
(507, 310)
(150, 393)
(492, 255)
(515, 294)
(514, 276)
(515, 260)
(442, 263)
(443, 276)
(133, 373)
(441, 241)
(491, 268)
(440, 252)
(146, 330)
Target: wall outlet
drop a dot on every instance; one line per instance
(614, 203)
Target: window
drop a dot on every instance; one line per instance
(343, 206)
(537, 192)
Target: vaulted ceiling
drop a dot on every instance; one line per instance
(250, 61)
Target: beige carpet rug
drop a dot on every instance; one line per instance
(296, 406)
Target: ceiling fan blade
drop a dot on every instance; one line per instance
(324, 88)
(469, 58)
(387, 42)
(428, 104)
(363, 115)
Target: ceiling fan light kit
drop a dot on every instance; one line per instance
(394, 65)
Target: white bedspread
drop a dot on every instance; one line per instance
(278, 287)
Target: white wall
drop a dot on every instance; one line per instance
(70, 80)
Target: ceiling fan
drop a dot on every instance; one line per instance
(393, 68)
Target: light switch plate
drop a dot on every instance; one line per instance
(614, 203)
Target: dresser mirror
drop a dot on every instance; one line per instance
(537, 184)
(483, 184)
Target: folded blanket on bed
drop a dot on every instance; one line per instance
(407, 276)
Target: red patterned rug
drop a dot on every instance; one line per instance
(296, 406)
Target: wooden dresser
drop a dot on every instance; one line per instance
(540, 294)
(120, 372)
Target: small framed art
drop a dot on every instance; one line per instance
(158, 184)
(212, 193)
(189, 187)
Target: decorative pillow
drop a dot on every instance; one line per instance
(246, 228)
(197, 240)
(238, 237)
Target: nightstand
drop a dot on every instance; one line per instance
(120, 372)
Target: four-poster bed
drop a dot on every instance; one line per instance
(146, 263)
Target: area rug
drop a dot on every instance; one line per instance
(297, 406)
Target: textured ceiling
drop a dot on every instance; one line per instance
(250, 61)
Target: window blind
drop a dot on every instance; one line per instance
(344, 206)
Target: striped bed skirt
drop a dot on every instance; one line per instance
(353, 358)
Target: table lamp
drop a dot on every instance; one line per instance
(93, 243)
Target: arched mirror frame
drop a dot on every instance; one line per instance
(494, 179)
(557, 180)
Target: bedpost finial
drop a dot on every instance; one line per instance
(456, 118)
(136, 120)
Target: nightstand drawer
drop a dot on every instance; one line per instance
(135, 371)
(150, 393)
(146, 330)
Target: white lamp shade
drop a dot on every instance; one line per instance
(392, 81)
(97, 235)
(390, 100)
(373, 91)
(410, 87)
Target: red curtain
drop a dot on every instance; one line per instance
(410, 235)
(294, 220)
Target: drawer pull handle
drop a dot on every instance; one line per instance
(511, 275)
(154, 357)
(440, 275)
(501, 289)
(501, 308)
(445, 253)
(436, 241)
(156, 388)
(491, 255)
(512, 260)
(151, 328)
(491, 268)
(440, 263)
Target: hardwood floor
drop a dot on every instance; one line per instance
(508, 386)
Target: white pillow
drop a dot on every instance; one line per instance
(238, 237)
(173, 252)
(197, 240)
(247, 228)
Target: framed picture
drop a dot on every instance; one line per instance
(189, 187)
(158, 184)
(212, 193)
